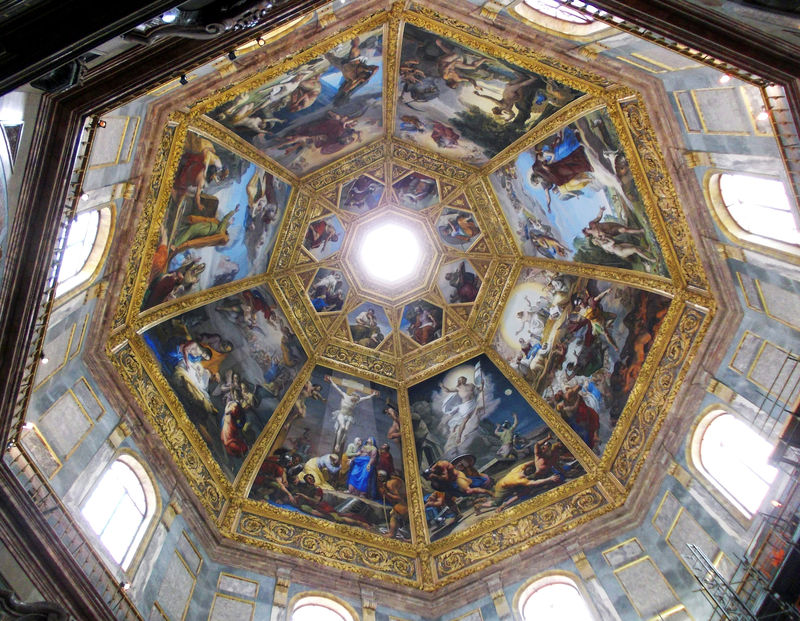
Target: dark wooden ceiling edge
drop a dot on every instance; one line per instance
(140, 69)
(709, 31)
(63, 31)
(31, 240)
(32, 543)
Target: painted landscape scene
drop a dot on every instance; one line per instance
(464, 104)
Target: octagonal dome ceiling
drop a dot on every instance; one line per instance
(410, 301)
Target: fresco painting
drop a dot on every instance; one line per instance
(481, 447)
(573, 198)
(465, 105)
(459, 282)
(220, 224)
(338, 456)
(457, 228)
(422, 322)
(230, 363)
(580, 343)
(361, 195)
(416, 191)
(369, 325)
(328, 290)
(324, 237)
(317, 112)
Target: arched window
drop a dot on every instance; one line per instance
(85, 248)
(554, 597)
(556, 9)
(755, 209)
(554, 16)
(316, 607)
(734, 459)
(121, 507)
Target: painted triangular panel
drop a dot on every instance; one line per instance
(459, 201)
(331, 195)
(480, 247)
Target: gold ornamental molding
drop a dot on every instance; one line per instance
(476, 268)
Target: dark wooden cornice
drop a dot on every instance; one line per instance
(714, 33)
(34, 545)
(44, 35)
(44, 188)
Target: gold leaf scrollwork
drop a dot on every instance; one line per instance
(451, 561)
(588, 500)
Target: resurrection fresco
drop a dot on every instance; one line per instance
(481, 447)
(317, 112)
(275, 364)
(222, 216)
(580, 343)
(467, 105)
(572, 197)
(230, 363)
(338, 456)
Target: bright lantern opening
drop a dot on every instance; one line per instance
(390, 252)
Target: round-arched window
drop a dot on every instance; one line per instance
(734, 458)
(84, 249)
(556, 9)
(557, 17)
(120, 508)
(320, 608)
(756, 207)
(553, 598)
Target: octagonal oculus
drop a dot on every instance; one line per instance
(390, 252)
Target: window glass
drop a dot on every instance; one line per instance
(116, 510)
(554, 8)
(736, 459)
(80, 241)
(760, 206)
(316, 612)
(554, 599)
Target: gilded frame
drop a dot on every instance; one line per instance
(419, 563)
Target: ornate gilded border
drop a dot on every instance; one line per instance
(424, 565)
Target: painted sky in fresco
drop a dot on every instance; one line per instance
(464, 104)
(315, 113)
(587, 177)
(217, 233)
(488, 432)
